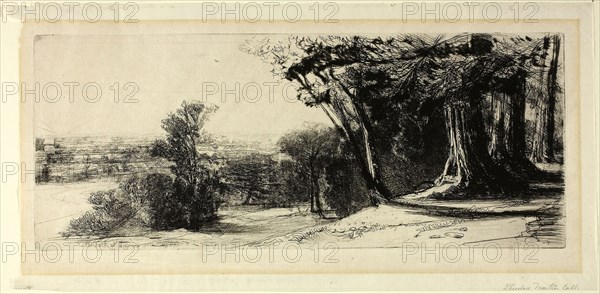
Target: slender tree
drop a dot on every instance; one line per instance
(513, 88)
(545, 104)
(312, 149)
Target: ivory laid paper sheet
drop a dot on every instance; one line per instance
(245, 146)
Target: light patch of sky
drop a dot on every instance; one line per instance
(168, 70)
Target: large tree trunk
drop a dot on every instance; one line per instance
(370, 170)
(516, 133)
(540, 106)
(518, 162)
(508, 142)
(469, 165)
(498, 149)
(552, 91)
(356, 127)
(378, 191)
(357, 135)
(543, 139)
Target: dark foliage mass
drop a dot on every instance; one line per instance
(443, 110)
(164, 209)
(346, 191)
(322, 164)
(254, 176)
(258, 179)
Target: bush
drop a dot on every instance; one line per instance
(151, 195)
(111, 210)
(200, 206)
(141, 199)
(150, 201)
(165, 205)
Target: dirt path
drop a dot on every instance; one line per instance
(56, 204)
(395, 226)
(386, 226)
(241, 225)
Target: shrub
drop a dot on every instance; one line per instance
(148, 195)
(168, 203)
(139, 198)
(111, 210)
(150, 201)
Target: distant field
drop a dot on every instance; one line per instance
(91, 158)
(74, 159)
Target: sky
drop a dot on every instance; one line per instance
(167, 70)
